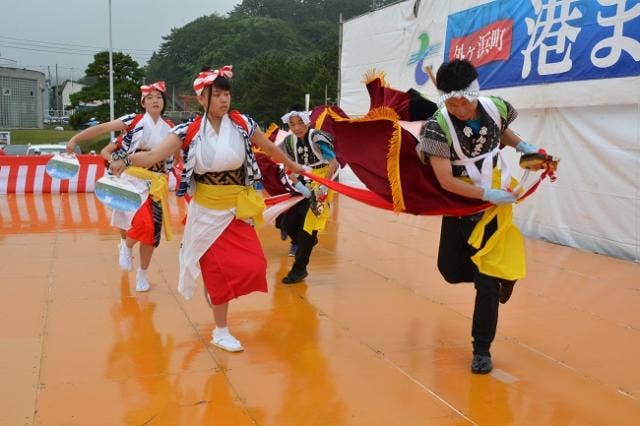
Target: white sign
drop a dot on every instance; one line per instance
(5, 138)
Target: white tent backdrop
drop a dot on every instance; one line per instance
(589, 116)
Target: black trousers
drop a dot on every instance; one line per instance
(456, 266)
(292, 222)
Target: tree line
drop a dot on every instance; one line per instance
(280, 50)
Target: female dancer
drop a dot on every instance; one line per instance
(221, 172)
(142, 132)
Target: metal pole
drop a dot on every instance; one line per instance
(339, 61)
(111, 115)
(57, 92)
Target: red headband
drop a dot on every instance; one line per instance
(206, 78)
(158, 85)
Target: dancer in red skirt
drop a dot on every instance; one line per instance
(221, 172)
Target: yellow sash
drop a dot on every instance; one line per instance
(159, 191)
(248, 203)
(311, 221)
(503, 254)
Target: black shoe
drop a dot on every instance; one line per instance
(294, 277)
(506, 288)
(481, 364)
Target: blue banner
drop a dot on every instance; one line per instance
(526, 42)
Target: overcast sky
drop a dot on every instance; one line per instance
(40, 33)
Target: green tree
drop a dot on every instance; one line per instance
(127, 78)
(280, 50)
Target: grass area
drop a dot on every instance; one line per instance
(40, 136)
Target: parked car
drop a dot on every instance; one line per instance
(14, 149)
(90, 123)
(55, 120)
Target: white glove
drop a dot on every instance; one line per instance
(498, 196)
(302, 189)
(526, 148)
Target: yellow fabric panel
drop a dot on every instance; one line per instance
(311, 221)
(248, 203)
(503, 254)
(159, 191)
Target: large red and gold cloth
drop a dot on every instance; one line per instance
(381, 152)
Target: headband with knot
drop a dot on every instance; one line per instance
(206, 78)
(148, 88)
(470, 93)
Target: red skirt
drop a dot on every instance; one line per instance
(146, 225)
(234, 265)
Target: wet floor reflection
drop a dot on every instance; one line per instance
(41, 213)
(139, 358)
(372, 336)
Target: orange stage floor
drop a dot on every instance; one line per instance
(372, 337)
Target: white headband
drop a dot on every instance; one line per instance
(304, 116)
(470, 93)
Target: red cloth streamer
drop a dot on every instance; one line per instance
(375, 200)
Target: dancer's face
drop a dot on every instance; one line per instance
(297, 126)
(153, 103)
(462, 108)
(220, 101)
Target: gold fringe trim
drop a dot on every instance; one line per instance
(371, 74)
(393, 168)
(383, 113)
(393, 154)
(273, 127)
(321, 117)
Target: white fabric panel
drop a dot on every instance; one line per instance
(595, 203)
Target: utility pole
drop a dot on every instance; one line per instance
(339, 61)
(110, 72)
(57, 91)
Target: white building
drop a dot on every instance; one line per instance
(21, 95)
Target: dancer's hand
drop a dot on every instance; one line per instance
(302, 189)
(71, 146)
(526, 148)
(498, 196)
(117, 167)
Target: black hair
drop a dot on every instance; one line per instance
(222, 83)
(164, 102)
(455, 75)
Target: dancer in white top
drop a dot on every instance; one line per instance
(141, 132)
(221, 172)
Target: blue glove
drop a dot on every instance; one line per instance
(302, 189)
(526, 148)
(498, 196)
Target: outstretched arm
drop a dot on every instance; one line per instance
(168, 146)
(269, 148)
(93, 132)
